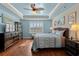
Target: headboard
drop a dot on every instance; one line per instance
(65, 33)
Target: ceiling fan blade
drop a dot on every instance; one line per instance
(40, 9)
(27, 9)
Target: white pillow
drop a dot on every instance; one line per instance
(59, 33)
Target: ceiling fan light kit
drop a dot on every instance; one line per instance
(35, 7)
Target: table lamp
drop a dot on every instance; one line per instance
(51, 29)
(75, 28)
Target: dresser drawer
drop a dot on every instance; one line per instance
(78, 45)
(70, 43)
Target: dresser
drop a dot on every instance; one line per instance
(8, 39)
(72, 47)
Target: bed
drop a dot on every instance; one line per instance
(50, 40)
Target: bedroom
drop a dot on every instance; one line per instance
(39, 29)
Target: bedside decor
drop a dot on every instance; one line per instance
(75, 28)
(72, 18)
(60, 21)
(51, 29)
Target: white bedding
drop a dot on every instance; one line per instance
(47, 40)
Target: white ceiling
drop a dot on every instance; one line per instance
(62, 8)
(21, 6)
(47, 6)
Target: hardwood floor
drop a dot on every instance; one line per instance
(23, 48)
(49, 52)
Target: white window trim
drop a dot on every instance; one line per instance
(38, 31)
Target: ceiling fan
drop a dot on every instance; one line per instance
(34, 7)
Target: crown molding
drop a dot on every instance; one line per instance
(35, 17)
(13, 9)
(54, 9)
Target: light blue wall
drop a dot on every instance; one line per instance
(6, 12)
(25, 27)
(47, 25)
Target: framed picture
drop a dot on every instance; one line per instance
(60, 21)
(55, 23)
(72, 18)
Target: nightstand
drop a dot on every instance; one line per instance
(72, 47)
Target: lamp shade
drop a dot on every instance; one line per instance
(50, 28)
(34, 12)
(75, 27)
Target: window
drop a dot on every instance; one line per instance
(36, 26)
